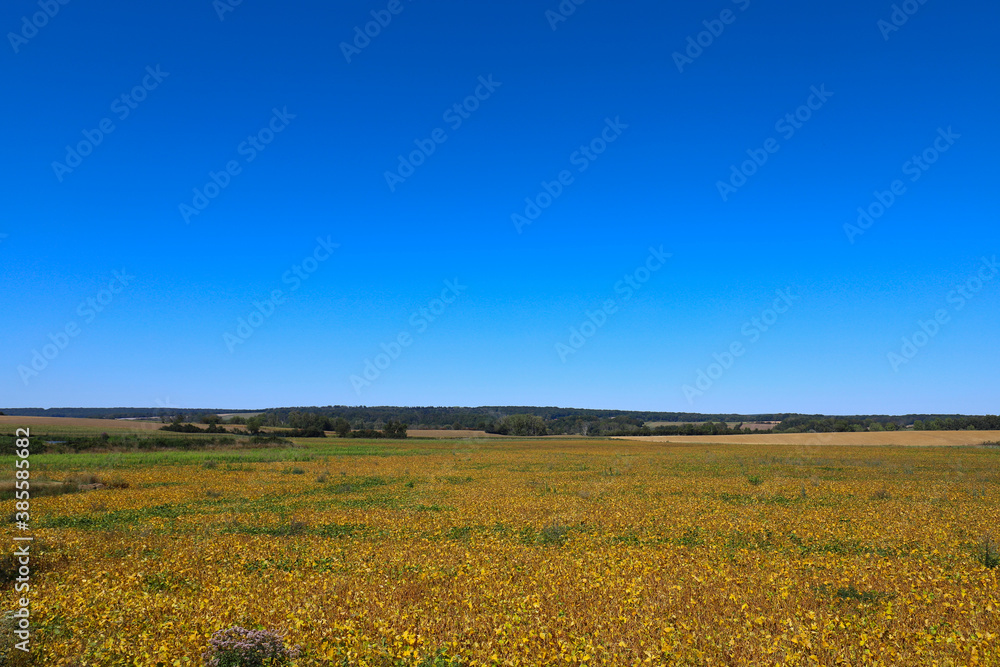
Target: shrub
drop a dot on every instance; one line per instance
(300, 433)
(116, 482)
(755, 480)
(83, 479)
(239, 647)
(182, 428)
(988, 553)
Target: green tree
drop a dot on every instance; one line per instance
(523, 425)
(341, 426)
(254, 424)
(394, 429)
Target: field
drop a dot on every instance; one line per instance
(73, 425)
(878, 439)
(523, 552)
(449, 434)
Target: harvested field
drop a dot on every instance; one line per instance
(68, 424)
(449, 434)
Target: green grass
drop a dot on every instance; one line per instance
(853, 594)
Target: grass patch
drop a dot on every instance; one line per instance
(162, 582)
(358, 484)
(459, 533)
(457, 480)
(692, 537)
(853, 594)
(420, 507)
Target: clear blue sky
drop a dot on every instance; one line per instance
(208, 84)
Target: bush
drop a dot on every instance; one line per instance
(300, 433)
(83, 479)
(366, 433)
(988, 554)
(182, 428)
(755, 480)
(116, 482)
(239, 647)
(394, 429)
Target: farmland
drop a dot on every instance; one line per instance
(518, 551)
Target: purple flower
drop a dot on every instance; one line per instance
(239, 647)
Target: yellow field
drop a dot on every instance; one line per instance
(881, 438)
(517, 552)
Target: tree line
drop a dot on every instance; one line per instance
(527, 420)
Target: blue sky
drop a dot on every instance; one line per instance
(302, 136)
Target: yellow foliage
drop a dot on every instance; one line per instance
(526, 553)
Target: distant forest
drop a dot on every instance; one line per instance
(532, 421)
